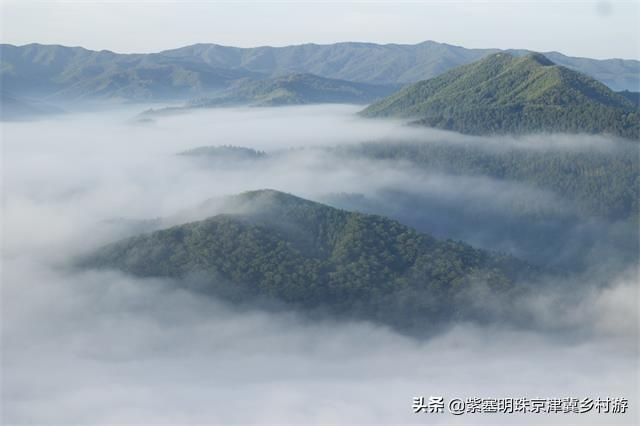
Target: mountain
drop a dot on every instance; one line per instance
(634, 97)
(388, 63)
(73, 73)
(297, 89)
(291, 89)
(617, 74)
(15, 109)
(225, 155)
(312, 256)
(225, 152)
(507, 94)
(599, 183)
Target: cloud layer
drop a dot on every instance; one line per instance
(93, 347)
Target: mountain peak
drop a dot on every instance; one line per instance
(506, 59)
(503, 94)
(316, 256)
(269, 194)
(498, 57)
(296, 88)
(539, 58)
(268, 201)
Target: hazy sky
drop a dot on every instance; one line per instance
(600, 29)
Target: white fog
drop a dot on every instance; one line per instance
(82, 347)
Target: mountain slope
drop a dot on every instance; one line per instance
(14, 109)
(362, 62)
(507, 94)
(634, 97)
(74, 73)
(296, 89)
(617, 74)
(388, 63)
(71, 73)
(311, 256)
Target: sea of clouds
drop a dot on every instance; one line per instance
(101, 347)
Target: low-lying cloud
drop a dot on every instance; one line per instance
(91, 347)
(100, 347)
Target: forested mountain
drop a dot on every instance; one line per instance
(389, 63)
(308, 255)
(506, 94)
(601, 183)
(296, 89)
(225, 152)
(72, 73)
(634, 97)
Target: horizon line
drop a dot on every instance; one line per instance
(309, 44)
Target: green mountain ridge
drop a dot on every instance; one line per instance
(507, 94)
(60, 73)
(312, 256)
(296, 89)
(634, 97)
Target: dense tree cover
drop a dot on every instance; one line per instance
(296, 89)
(593, 119)
(58, 72)
(314, 256)
(225, 152)
(602, 182)
(503, 94)
(634, 97)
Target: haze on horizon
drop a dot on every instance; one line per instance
(585, 28)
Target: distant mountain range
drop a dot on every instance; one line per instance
(60, 73)
(291, 89)
(296, 89)
(503, 94)
(268, 244)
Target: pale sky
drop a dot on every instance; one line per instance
(597, 29)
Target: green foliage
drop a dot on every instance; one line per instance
(225, 152)
(502, 94)
(202, 69)
(314, 256)
(296, 89)
(603, 183)
(634, 97)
